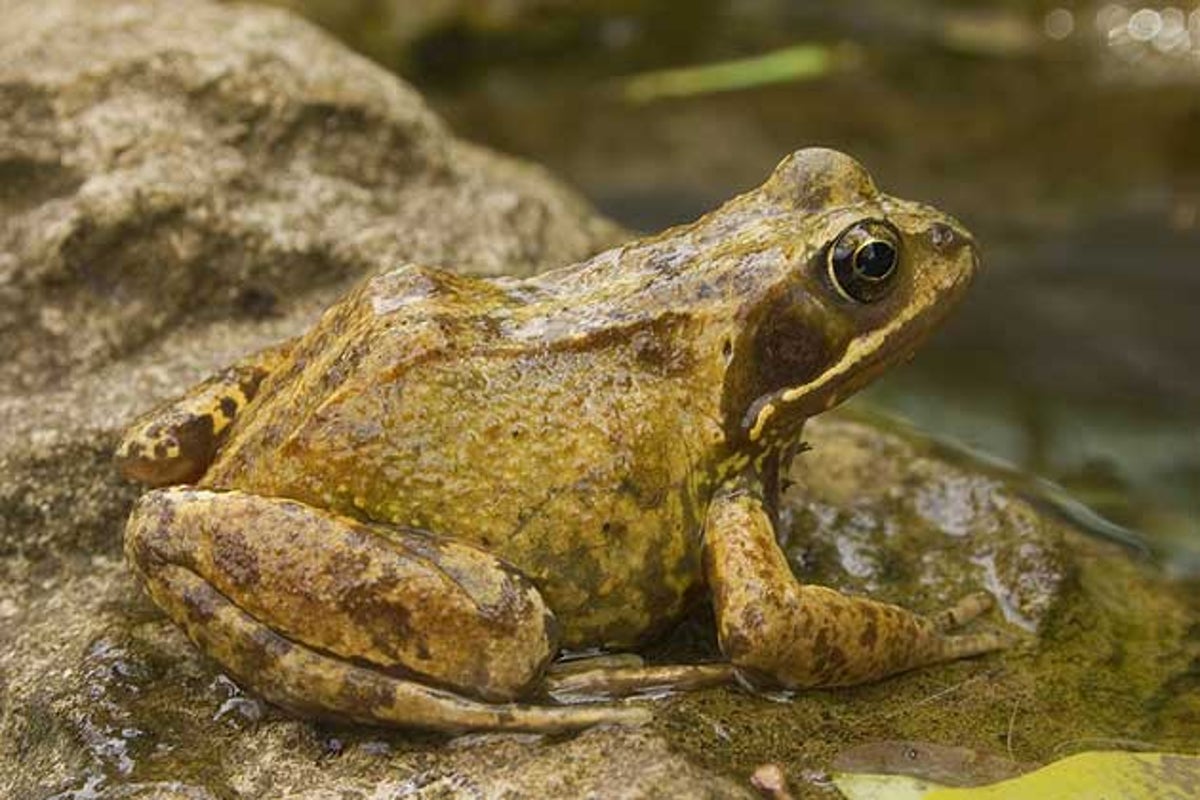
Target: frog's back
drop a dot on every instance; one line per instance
(453, 405)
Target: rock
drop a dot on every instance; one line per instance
(183, 183)
(882, 514)
(164, 164)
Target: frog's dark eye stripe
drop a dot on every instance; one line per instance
(863, 261)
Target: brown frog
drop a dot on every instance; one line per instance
(402, 516)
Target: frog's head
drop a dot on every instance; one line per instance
(866, 278)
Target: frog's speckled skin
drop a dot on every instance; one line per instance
(565, 437)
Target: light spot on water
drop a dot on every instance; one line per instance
(1059, 23)
(1144, 24)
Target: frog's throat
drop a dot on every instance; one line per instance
(865, 358)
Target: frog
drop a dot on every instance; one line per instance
(413, 513)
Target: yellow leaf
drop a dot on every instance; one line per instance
(1087, 776)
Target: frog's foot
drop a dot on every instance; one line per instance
(774, 628)
(962, 612)
(964, 645)
(601, 682)
(570, 666)
(175, 442)
(336, 618)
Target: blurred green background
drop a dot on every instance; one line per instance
(1066, 136)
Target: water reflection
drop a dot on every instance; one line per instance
(1155, 43)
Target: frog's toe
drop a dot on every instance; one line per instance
(608, 682)
(965, 645)
(962, 612)
(968, 645)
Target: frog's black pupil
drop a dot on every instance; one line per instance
(875, 260)
(863, 261)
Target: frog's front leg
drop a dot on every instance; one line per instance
(774, 628)
(329, 616)
(176, 441)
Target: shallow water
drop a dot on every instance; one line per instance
(1068, 141)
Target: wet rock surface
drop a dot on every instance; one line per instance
(184, 184)
(879, 513)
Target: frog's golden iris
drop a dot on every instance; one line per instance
(401, 516)
(863, 261)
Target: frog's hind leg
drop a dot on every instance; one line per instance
(175, 442)
(336, 618)
(773, 627)
(309, 682)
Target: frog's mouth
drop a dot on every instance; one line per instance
(865, 358)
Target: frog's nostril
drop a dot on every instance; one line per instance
(942, 235)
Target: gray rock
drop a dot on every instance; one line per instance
(182, 182)
(163, 164)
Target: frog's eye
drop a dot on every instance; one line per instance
(863, 260)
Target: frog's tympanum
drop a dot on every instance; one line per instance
(403, 516)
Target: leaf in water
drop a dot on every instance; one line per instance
(882, 787)
(936, 764)
(801, 62)
(1131, 776)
